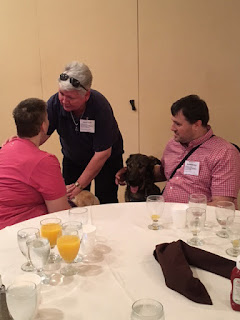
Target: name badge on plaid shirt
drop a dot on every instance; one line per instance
(191, 168)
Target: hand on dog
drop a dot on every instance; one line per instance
(72, 191)
(120, 177)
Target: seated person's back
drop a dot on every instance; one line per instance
(31, 183)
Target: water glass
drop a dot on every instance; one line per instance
(233, 230)
(39, 251)
(147, 309)
(223, 210)
(78, 214)
(195, 221)
(21, 297)
(155, 206)
(88, 242)
(22, 236)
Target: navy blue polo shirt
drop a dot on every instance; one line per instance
(81, 146)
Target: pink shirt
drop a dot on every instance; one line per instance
(219, 169)
(28, 177)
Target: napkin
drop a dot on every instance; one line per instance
(175, 258)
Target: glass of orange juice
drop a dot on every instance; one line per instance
(68, 245)
(51, 229)
(155, 206)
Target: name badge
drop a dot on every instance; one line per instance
(191, 168)
(87, 125)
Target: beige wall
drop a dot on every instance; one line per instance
(152, 51)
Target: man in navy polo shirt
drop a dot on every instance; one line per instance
(92, 144)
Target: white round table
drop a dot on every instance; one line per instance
(125, 269)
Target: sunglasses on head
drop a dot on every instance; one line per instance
(74, 82)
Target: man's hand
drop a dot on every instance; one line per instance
(120, 177)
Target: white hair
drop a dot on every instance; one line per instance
(79, 71)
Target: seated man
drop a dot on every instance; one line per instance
(212, 169)
(31, 183)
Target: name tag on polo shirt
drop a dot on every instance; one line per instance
(87, 125)
(191, 168)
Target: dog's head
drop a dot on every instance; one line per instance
(140, 171)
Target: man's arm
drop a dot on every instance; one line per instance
(219, 198)
(58, 204)
(90, 172)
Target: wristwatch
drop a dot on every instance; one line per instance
(77, 184)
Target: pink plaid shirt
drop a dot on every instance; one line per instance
(219, 169)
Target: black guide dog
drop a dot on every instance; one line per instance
(140, 177)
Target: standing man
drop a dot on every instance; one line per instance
(213, 167)
(92, 144)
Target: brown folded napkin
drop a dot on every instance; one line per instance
(175, 258)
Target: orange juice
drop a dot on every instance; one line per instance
(155, 217)
(68, 246)
(51, 231)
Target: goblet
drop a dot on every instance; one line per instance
(233, 229)
(22, 236)
(197, 200)
(74, 225)
(21, 297)
(147, 309)
(195, 221)
(51, 229)
(39, 251)
(68, 246)
(155, 206)
(78, 214)
(223, 210)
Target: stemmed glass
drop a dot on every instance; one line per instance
(39, 251)
(199, 200)
(22, 236)
(155, 206)
(78, 214)
(21, 297)
(74, 225)
(51, 229)
(68, 246)
(195, 220)
(147, 309)
(233, 229)
(223, 210)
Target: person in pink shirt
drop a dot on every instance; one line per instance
(31, 183)
(213, 167)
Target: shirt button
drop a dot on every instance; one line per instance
(170, 188)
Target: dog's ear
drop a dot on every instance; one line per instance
(154, 160)
(128, 159)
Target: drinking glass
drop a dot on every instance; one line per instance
(68, 246)
(147, 309)
(155, 206)
(51, 229)
(74, 225)
(21, 297)
(78, 214)
(22, 236)
(197, 200)
(223, 210)
(233, 229)
(39, 251)
(195, 220)
(88, 243)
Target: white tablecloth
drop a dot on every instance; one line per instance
(125, 269)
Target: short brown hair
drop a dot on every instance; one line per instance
(29, 115)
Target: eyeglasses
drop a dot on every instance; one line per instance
(74, 82)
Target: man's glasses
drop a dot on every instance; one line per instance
(74, 82)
